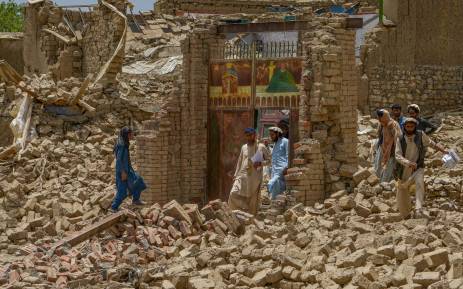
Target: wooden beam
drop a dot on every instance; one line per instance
(27, 127)
(354, 22)
(86, 106)
(91, 230)
(57, 35)
(9, 151)
(351, 22)
(264, 27)
(120, 46)
(8, 73)
(77, 6)
(83, 88)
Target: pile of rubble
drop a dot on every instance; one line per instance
(350, 241)
(63, 178)
(136, 239)
(443, 185)
(161, 35)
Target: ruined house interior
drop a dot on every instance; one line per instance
(189, 77)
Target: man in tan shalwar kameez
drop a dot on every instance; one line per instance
(245, 193)
(410, 153)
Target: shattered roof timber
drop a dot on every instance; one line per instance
(353, 22)
(235, 6)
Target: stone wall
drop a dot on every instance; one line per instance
(432, 87)
(172, 151)
(11, 46)
(75, 52)
(231, 6)
(417, 58)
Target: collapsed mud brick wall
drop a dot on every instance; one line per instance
(326, 155)
(416, 58)
(174, 7)
(172, 150)
(11, 46)
(70, 43)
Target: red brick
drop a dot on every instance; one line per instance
(61, 282)
(174, 232)
(194, 239)
(14, 276)
(175, 210)
(185, 228)
(42, 269)
(299, 162)
(155, 216)
(51, 274)
(152, 236)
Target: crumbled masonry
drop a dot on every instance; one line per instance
(88, 73)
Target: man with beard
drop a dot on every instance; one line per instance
(410, 152)
(422, 124)
(245, 193)
(384, 161)
(280, 154)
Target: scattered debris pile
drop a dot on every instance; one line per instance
(63, 177)
(338, 244)
(153, 234)
(161, 37)
(446, 185)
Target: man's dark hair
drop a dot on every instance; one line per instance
(396, 106)
(380, 112)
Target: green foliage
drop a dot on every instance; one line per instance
(11, 16)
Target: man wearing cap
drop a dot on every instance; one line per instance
(410, 152)
(423, 125)
(245, 193)
(396, 110)
(280, 153)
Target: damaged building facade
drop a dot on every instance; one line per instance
(74, 42)
(193, 142)
(415, 57)
(174, 7)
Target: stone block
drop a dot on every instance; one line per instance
(387, 250)
(426, 278)
(361, 175)
(199, 283)
(175, 210)
(437, 257)
(346, 203)
(456, 269)
(356, 259)
(260, 278)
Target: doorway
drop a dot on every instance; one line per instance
(250, 85)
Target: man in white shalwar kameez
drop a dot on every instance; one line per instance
(245, 193)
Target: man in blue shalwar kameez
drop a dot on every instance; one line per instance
(126, 178)
(277, 184)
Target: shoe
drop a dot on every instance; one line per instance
(419, 214)
(113, 211)
(408, 217)
(138, 203)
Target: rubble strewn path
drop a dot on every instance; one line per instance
(351, 241)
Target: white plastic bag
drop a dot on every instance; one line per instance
(450, 160)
